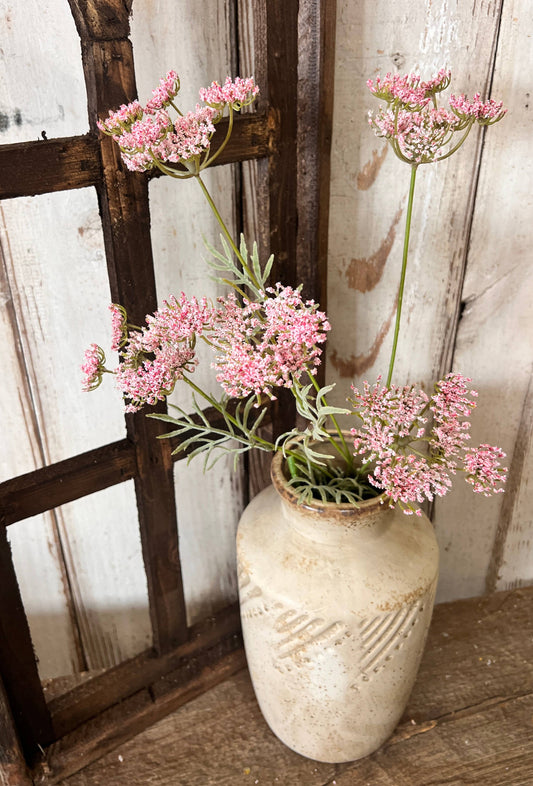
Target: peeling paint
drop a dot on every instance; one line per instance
(369, 172)
(356, 365)
(363, 274)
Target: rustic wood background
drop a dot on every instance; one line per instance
(468, 301)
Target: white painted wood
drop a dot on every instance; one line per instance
(88, 555)
(56, 272)
(369, 188)
(494, 338)
(369, 191)
(41, 78)
(209, 504)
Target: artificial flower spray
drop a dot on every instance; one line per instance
(405, 445)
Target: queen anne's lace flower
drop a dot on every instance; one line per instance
(238, 93)
(395, 429)
(265, 345)
(419, 131)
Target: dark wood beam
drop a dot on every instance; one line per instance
(18, 668)
(30, 168)
(13, 769)
(85, 701)
(123, 199)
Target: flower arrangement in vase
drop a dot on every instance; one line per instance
(315, 638)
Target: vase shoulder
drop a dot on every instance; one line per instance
(380, 566)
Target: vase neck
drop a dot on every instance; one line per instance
(336, 524)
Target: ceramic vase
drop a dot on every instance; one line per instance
(336, 602)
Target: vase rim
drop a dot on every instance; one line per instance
(341, 510)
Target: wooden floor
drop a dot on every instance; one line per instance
(469, 720)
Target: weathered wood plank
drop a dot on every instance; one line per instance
(316, 63)
(490, 746)
(494, 344)
(49, 487)
(13, 769)
(72, 708)
(18, 669)
(109, 73)
(472, 720)
(121, 722)
(30, 168)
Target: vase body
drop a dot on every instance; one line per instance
(335, 607)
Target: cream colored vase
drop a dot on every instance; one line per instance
(335, 603)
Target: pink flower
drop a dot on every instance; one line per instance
(485, 112)
(483, 469)
(265, 345)
(450, 403)
(237, 94)
(93, 368)
(409, 479)
(168, 88)
(119, 329)
(419, 136)
(409, 90)
(156, 357)
(122, 119)
(387, 414)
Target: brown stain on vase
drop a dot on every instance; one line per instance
(364, 274)
(369, 172)
(356, 365)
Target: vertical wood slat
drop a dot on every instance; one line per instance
(18, 668)
(13, 770)
(316, 65)
(123, 198)
(279, 50)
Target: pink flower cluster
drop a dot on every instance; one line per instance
(484, 471)
(485, 112)
(93, 368)
(420, 136)
(163, 95)
(148, 136)
(409, 90)
(261, 346)
(418, 130)
(155, 358)
(237, 94)
(394, 418)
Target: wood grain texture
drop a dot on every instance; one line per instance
(467, 305)
(18, 669)
(493, 344)
(30, 168)
(110, 80)
(13, 769)
(468, 720)
(74, 706)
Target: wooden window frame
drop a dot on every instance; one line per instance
(289, 139)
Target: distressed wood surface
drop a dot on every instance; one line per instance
(180, 220)
(494, 344)
(13, 769)
(467, 305)
(17, 663)
(468, 720)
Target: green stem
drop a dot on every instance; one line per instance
(215, 404)
(208, 161)
(225, 231)
(404, 268)
(344, 451)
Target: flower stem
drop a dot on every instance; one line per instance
(414, 167)
(225, 231)
(344, 450)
